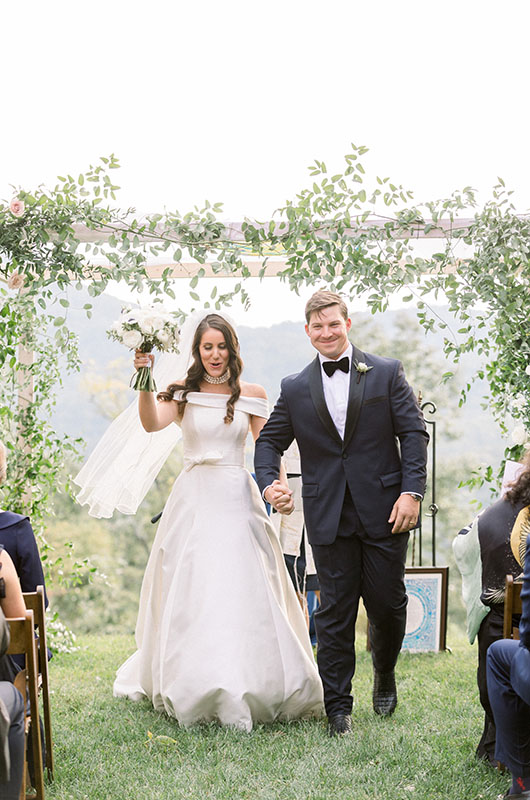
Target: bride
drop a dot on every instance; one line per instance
(220, 633)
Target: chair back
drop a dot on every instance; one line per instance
(512, 605)
(22, 641)
(35, 602)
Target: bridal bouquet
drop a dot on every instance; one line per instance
(146, 329)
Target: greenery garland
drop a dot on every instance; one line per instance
(482, 271)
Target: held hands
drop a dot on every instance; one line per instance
(404, 513)
(280, 497)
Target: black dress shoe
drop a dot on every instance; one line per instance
(339, 724)
(385, 693)
(516, 796)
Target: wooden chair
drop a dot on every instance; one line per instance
(35, 602)
(512, 605)
(22, 634)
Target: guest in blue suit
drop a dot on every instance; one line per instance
(509, 693)
(18, 539)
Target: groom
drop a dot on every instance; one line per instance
(361, 493)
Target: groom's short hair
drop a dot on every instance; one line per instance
(323, 299)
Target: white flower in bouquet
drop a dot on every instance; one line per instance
(164, 337)
(146, 329)
(130, 316)
(132, 339)
(152, 324)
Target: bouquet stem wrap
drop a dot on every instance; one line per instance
(143, 380)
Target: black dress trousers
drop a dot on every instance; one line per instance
(356, 566)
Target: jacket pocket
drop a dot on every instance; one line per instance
(309, 489)
(391, 478)
(379, 399)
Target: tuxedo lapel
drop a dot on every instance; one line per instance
(319, 401)
(355, 397)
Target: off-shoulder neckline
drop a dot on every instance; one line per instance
(222, 394)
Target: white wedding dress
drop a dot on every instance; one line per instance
(220, 633)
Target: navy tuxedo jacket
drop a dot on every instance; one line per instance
(384, 451)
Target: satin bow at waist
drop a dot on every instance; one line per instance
(212, 458)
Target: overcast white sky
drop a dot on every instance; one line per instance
(230, 101)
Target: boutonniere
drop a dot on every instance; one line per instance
(361, 368)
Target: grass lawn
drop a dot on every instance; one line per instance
(107, 748)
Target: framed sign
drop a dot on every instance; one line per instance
(426, 610)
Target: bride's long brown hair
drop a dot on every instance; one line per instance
(519, 490)
(192, 382)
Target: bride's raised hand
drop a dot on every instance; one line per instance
(143, 359)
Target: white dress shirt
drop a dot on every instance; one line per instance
(336, 390)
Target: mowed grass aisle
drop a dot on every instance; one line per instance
(107, 748)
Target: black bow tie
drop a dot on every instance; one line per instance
(331, 366)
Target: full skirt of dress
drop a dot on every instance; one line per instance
(220, 632)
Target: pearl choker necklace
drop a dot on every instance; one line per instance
(221, 379)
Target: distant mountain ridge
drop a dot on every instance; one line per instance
(269, 354)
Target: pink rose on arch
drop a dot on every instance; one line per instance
(17, 207)
(15, 281)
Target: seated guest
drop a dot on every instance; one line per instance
(17, 537)
(508, 671)
(12, 605)
(485, 552)
(11, 727)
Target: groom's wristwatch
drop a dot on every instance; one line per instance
(415, 495)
